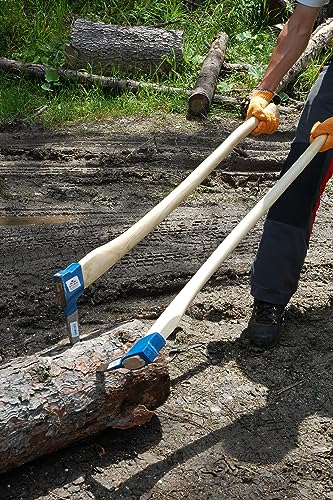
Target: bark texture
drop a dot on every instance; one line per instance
(103, 47)
(320, 38)
(202, 96)
(52, 399)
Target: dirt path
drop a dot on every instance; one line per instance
(238, 424)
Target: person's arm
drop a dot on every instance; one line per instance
(291, 43)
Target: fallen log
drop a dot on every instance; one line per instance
(101, 48)
(56, 397)
(320, 38)
(202, 96)
(38, 72)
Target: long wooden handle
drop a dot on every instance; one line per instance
(98, 261)
(170, 318)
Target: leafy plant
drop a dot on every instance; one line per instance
(283, 96)
(51, 80)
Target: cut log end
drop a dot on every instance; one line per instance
(199, 104)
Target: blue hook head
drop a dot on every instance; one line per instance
(69, 285)
(142, 353)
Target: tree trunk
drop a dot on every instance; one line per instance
(202, 96)
(320, 38)
(56, 397)
(101, 48)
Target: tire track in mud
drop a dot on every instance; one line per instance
(109, 182)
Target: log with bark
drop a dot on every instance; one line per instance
(319, 39)
(56, 397)
(38, 72)
(103, 47)
(202, 96)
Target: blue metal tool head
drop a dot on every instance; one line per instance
(69, 285)
(142, 353)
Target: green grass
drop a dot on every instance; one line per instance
(36, 31)
(23, 100)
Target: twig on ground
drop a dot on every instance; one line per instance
(291, 386)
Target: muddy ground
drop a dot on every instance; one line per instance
(239, 424)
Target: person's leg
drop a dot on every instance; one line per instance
(284, 243)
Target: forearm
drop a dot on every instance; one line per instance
(291, 43)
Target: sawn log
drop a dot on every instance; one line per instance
(56, 397)
(202, 96)
(102, 48)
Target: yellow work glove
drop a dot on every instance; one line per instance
(321, 128)
(268, 122)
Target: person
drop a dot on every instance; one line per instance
(285, 239)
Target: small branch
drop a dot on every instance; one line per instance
(37, 72)
(285, 389)
(166, 23)
(238, 67)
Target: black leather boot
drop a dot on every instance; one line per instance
(264, 328)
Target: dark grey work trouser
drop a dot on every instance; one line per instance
(287, 229)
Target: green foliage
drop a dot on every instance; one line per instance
(37, 30)
(51, 80)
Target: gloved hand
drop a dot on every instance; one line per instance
(268, 123)
(321, 128)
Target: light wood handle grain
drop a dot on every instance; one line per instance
(98, 261)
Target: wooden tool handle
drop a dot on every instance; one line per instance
(98, 261)
(170, 318)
